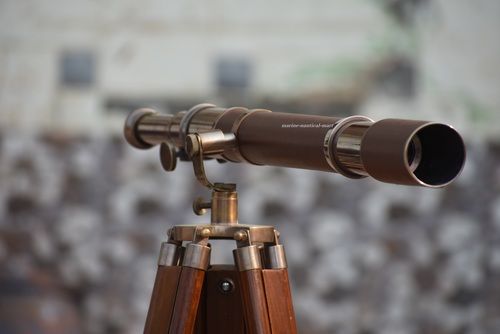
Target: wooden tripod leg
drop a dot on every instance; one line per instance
(253, 295)
(266, 295)
(254, 302)
(187, 301)
(189, 290)
(162, 300)
(164, 290)
(278, 294)
(279, 301)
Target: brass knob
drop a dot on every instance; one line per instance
(200, 207)
(168, 157)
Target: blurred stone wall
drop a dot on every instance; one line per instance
(82, 214)
(82, 219)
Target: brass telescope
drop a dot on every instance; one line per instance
(391, 150)
(192, 295)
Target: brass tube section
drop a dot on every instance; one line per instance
(395, 151)
(224, 207)
(156, 129)
(204, 120)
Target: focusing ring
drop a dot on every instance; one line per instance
(330, 142)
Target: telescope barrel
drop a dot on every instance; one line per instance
(391, 150)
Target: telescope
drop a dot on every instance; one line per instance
(191, 295)
(396, 151)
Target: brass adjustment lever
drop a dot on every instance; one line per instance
(210, 143)
(224, 202)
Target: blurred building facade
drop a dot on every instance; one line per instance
(81, 214)
(70, 64)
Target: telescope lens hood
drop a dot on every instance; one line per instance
(412, 152)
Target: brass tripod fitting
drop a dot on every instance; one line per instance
(197, 256)
(170, 254)
(224, 207)
(200, 206)
(247, 258)
(275, 256)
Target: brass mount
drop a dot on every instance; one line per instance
(224, 199)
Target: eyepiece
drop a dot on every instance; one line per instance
(130, 129)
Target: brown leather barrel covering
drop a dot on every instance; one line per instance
(383, 150)
(288, 140)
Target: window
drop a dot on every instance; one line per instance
(233, 74)
(77, 69)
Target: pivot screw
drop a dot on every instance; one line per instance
(205, 233)
(226, 286)
(240, 235)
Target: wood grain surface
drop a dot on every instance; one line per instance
(187, 301)
(162, 300)
(279, 301)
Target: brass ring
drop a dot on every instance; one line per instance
(186, 120)
(330, 142)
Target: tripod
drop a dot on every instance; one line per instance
(192, 296)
